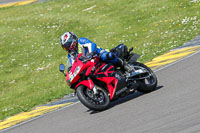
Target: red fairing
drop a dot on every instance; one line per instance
(82, 67)
(111, 84)
(88, 71)
(104, 72)
(88, 83)
(67, 76)
(75, 65)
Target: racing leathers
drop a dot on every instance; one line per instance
(89, 49)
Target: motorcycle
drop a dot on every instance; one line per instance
(97, 83)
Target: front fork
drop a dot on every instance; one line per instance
(95, 90)
(89, 84)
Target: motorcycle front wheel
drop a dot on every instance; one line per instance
(147, 84)
(97, 102)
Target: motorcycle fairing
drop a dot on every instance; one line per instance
(88, 83)
(78, 67)
(111, 83)
(105, 70)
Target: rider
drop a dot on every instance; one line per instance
(70, 42)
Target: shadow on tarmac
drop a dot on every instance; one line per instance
(123, 100)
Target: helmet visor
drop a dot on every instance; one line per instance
(67, 46)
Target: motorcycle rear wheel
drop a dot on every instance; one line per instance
(97, 102)
(149, 84)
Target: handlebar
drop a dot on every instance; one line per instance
(86, 58)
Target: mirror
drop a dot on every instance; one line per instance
(62, 68)
(131, 48)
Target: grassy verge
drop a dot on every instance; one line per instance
(29, 40)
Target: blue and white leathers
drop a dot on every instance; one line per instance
(90, 47)
(109, 57)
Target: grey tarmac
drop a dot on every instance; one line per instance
(173, 108)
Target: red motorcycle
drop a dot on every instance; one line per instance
(98, 83)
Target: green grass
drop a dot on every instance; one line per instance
(30, 52)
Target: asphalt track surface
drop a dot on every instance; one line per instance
(173, 108)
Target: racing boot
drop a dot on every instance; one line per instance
(123, 65)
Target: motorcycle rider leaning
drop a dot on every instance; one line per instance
(70, 42)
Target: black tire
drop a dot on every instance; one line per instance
(152, 80)
(90, 103)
